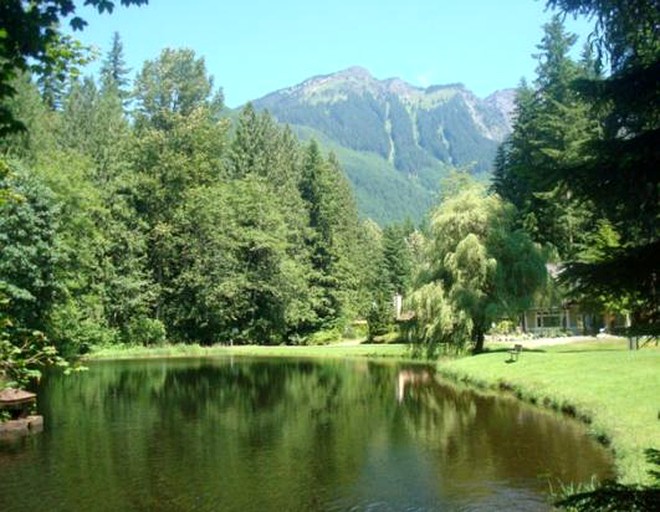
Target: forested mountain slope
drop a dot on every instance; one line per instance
(395, 141)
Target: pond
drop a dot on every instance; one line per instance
(282, 434)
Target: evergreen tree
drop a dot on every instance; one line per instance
(93, 123)
(27, 107)
(552, 123)
(233, 284)
(397, 258)
(180, 146)
(69, 56)
(333, 237)
(264, 151)
(617, 168)
(114, 73)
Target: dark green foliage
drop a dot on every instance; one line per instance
(28, 224)
(333, 236)
(626, 30)
(379, 318)
(169, 230)
(26, 106)
(397, 258)
(616, 167)
(23, 353)
(31, 39)
(552, 123)
(232, 284)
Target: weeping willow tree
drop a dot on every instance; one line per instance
(477, 269)
(437, 321)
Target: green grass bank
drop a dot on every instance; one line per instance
(613, 389)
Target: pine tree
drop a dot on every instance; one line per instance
(617, 168)
(114, 73)
(333, 236)
(552, 122)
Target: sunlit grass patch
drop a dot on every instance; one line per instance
(180, 350)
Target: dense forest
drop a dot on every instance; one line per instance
(136, 212)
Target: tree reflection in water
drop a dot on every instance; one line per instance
(286, 434)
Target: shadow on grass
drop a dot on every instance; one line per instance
(504, 350)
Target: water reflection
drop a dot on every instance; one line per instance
(288, 435)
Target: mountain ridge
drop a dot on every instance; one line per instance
(400, 128)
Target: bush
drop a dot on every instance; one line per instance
(146, 331)
(379, 320)
(504, 328)
(324, 337)
(74, 333)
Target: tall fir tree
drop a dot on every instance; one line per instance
(617, 167)
(333, 236)
(551, 125)
(114, 73)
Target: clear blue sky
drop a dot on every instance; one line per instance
(253, 47)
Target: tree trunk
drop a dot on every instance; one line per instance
(478, 338)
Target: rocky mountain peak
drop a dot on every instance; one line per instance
(408, 133)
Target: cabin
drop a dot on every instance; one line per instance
(568, 318)
(555, 313)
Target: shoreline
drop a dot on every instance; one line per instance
(596, 380)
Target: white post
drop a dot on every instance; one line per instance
(398, 304)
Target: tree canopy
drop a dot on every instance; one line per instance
(583, 154)
(30, 39)
(166, 222)
(478, 268)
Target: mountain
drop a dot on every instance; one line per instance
(394, 140)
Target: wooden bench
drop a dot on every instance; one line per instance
(515, 352)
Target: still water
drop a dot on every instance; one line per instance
(286, 435)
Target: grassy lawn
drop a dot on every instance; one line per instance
(336, 350)
(615, 390)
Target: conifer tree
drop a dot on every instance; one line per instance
(333, 236)
(617, 168)
(551, 124)
(114, 73)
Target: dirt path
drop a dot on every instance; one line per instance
(565, 340)
(526, 343)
